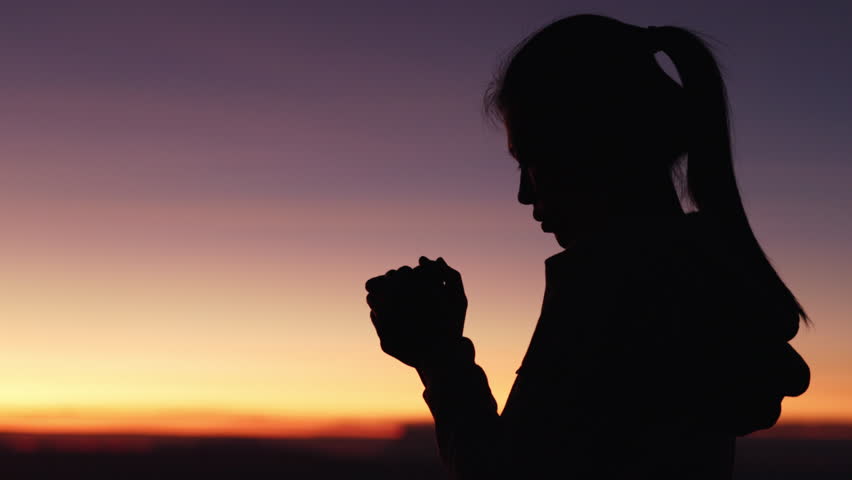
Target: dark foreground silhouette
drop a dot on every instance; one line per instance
(615, 384)
(412, 456)
(663, 336)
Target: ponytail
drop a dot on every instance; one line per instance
(710, 178)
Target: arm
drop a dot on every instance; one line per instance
(419, 317)
(464, 410)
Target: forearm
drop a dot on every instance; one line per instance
(464, 410)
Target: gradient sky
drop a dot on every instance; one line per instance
(192, 198)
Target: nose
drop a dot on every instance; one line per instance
(526, 193)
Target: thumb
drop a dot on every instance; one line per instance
(451, 276)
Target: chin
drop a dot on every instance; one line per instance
(563, 240)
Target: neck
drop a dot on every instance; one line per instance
(656, 199)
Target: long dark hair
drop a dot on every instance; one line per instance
(599, 77)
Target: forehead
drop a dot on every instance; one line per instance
(527, 142)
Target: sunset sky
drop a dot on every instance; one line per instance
(192, 199)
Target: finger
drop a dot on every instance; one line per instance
(443, 265)
(374, 318)
(372, 301)
(451, 276)
(374, 283)
(431, 269)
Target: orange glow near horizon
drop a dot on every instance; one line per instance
(195, 423)
(198, 423)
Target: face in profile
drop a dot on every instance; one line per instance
(567, 197)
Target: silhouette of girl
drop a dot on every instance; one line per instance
(663, 335)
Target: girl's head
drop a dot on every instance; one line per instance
(598, 129)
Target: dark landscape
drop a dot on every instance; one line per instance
(791, 453)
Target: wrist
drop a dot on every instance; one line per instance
(447, 353)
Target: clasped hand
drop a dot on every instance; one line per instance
(418, 311)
